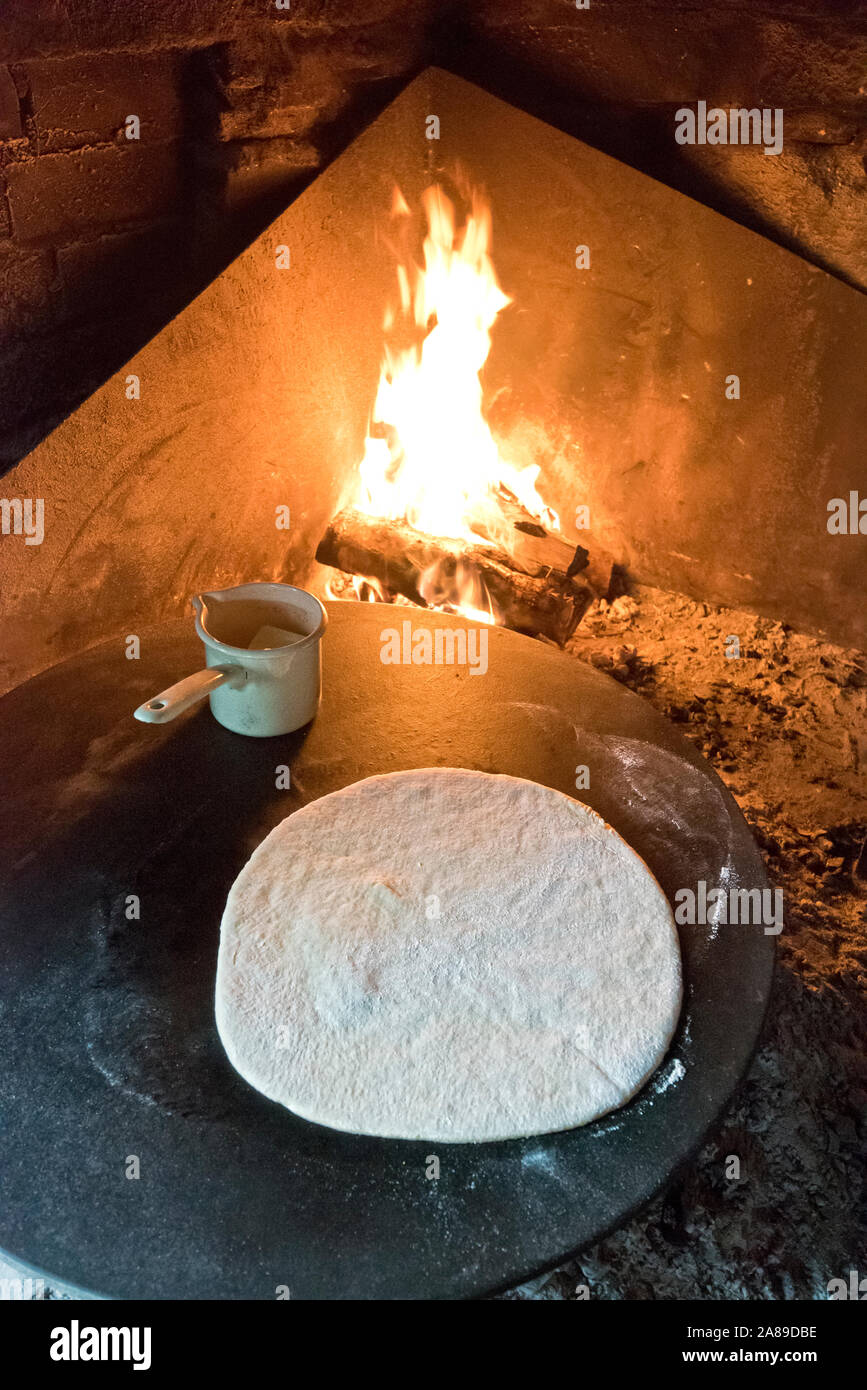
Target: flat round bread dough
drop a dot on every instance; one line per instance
(447, 955)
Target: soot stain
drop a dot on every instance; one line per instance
(149, 1014)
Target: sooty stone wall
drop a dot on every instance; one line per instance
(102, 237)
(615, 73)
(241, 103)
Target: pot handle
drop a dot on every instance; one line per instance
(172, 702)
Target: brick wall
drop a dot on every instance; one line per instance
(102, 238)
(614, 75)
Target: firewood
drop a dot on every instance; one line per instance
(536, 550)
(397, 556)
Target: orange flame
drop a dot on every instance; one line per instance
(457, 588)
(430, 458)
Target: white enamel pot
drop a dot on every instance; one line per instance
(271, 688)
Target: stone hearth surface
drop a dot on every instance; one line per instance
(784, 727)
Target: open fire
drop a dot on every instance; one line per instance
(430, 457)
(432, 476)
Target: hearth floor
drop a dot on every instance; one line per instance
(785, 726)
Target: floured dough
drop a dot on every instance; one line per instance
(447, 955)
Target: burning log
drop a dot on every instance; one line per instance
(443, 467)
(397, 557)
(537, 551)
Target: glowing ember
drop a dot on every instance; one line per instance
(365, 589)
(457, 589)
(430, 458)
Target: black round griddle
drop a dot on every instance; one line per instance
(109, 1048)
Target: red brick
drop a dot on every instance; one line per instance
(58, 197)
(125, 269)
(289, 97)
(374, 51)
(275, 88)
(85, 101)
(267, 119)
(819, 128)
(41, 27)
(36, 28)
(11, 127)
(726, 54)
(308, 15)
(28, 289)
(265, 168)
